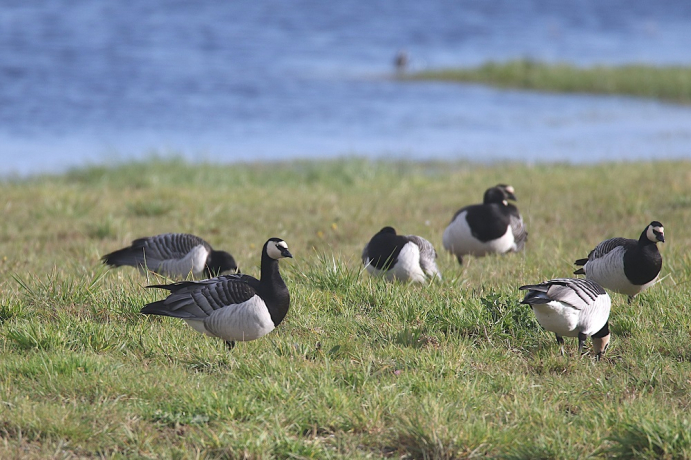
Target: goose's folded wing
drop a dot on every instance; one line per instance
(169, 245)
(428, 255)
(520, 234)
(578, 293)
(189, 286)
(197, 300)
(609, 245)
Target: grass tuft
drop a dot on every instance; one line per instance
(664, 439)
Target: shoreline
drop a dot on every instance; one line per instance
(666, 83)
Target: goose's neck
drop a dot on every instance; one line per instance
(273, 290)
(269, 272)
(643, 240)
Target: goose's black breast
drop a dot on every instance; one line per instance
(488, 222)
(642, 264)
(383, 250)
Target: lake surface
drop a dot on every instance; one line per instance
(85, 82)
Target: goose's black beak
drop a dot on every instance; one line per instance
(660, 237)
(286, 253)
(511, 196)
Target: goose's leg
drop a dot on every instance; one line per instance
(230, 344)
(581, 342)
(560, 341)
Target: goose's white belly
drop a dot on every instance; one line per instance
(407, 266)
(246, 321)
(194, 262)
(459, 239)
(558, 318)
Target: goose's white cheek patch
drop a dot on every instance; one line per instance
(273, 249)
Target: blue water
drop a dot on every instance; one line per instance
(85, 82)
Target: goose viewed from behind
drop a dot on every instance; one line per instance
(625, 265)
(572, 308)
(400, 257)
(232, 307)
(495, 226)
(173, 254)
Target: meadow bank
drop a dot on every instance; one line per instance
(667, 83)
(360, 368)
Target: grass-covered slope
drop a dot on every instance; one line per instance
(360, 368)
(672, 83)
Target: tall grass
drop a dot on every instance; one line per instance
(671, 83)
(360, 368)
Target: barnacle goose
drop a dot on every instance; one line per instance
(625, 265)
(233, 307)
(400, 257)
(572, 308)
(493, 226)
(173, 254)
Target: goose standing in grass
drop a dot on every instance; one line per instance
(400, 257)
(173, 254)
(232, 307)
(572, 308)
(625, 265)
(495, 226)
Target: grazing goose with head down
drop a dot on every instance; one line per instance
(625, 265)
(572, 308)
(173, 254)
(231, 307)
(405, 258)
(495, 226)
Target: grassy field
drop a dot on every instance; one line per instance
(672, 84)
(360, 368)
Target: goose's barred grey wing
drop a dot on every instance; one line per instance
(427, 253)
(578, 293)
(170, 245)
(153, 250)
(520, 234)
(197, 300)
(609, 245)
(426, 248)
(181, 286)
(602, 250)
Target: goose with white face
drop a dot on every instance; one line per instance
(625, 265)
(493, 227)
(232, 307)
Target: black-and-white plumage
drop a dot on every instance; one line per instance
(572, 308)
(173, 254)
(495, 226)
(400, 257)
(232, 307)
(625, 265)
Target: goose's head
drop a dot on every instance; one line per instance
(220, 262)
(276, 248)
(389, 230)
(655, 232)
(500, 193)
